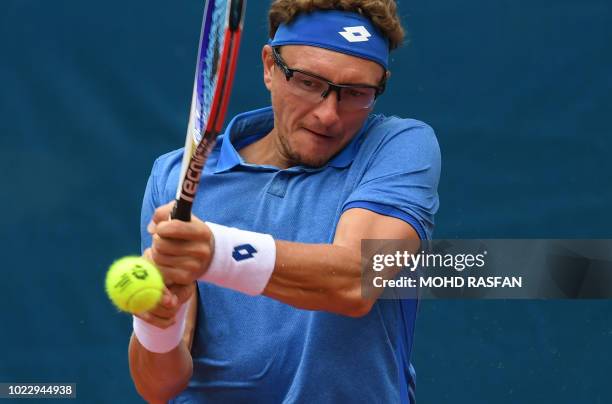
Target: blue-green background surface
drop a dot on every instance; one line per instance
(519, 93)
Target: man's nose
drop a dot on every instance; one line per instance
(327, 109)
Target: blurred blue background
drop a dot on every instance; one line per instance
(519, 94)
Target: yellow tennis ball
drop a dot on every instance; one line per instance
(134, 284)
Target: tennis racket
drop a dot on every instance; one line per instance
(217, 56)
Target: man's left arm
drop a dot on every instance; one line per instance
(328, 276)
(323, 277)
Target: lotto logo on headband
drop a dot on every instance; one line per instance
(340, 31)
(356, 34)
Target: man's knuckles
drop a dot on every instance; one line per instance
(202, 251)
(177, 229)
(163, 212)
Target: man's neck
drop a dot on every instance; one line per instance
(264, 152)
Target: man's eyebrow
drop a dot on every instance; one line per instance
(308, 71)
(350, 83)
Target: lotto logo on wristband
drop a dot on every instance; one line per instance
(243, 252)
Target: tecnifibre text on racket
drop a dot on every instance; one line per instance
(216, 64)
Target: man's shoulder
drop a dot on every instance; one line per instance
(401, 133)
(167, 167)
(397, 122)
(384, 126)
(166, 163)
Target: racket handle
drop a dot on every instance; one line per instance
(181, 210)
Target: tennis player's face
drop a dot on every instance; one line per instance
(311, 131)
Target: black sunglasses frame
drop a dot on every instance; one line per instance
(288, 72)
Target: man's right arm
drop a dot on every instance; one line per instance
(158, 377)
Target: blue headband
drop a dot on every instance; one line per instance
(340, 31)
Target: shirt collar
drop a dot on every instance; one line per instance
(248, 127)
(242, 130)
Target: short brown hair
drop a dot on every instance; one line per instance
(382, 13)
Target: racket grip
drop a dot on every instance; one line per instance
(181, 210)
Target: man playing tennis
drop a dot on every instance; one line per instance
(287, 195)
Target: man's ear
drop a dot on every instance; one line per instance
(268, 65)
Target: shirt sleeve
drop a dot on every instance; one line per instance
(401, 178)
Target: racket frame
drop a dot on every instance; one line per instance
(195, 156)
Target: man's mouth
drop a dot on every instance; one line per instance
(319, 134)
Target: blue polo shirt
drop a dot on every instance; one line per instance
(258, 350)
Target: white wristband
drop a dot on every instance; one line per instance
(243, 260)
(160, 340)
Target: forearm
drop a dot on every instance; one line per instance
(159, 377)
(323, 277)
(318, 277)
